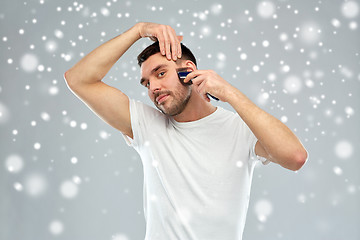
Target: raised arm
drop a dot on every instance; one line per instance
(85, 77)
(276, 142)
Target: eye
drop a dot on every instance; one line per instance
(161, 74)
(146, 84)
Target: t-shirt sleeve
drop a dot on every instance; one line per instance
(141, 115)
(130, 141)
(257, 157)
(252, 140)
(136, 116)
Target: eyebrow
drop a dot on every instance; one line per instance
(181, 69)
(152, 71)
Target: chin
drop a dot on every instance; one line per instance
(170, 111)
(175, 105)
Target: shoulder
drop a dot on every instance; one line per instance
(142, 112)
(138, 106)
(227, 115)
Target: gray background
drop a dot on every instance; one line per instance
(65, 174)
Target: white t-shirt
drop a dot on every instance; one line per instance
(197, 175)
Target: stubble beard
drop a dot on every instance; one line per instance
(180, 99)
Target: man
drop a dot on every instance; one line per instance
(198, 159)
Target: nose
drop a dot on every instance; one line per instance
(154, 86)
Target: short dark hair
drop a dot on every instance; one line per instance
(154, 48)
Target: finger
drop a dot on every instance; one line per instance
(167, 44)
(175, 44)
(161, 44)
(153, 39)
(193, 75)
(190, 76)
(201, 90)
(179, 52)
(198, 80)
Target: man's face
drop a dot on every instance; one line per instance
(159, 75)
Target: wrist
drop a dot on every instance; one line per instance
(236, 99)
(137, 27)
(231, 94)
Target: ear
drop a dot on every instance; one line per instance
(190, 65)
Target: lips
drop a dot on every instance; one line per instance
(161, 98)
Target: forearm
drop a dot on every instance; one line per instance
(94, 66)
(277, 139)
(277, 142)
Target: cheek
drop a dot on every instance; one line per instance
(179, 87)
(174, 82)
(150, 94)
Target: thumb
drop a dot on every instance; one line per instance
(180, 38)
(153, 39)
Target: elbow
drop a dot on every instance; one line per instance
(66, 76)
(68, 80)
(299, 160)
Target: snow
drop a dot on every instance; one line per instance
(297, 60)
(68, 189)
(29, 62)
(292, 84)
(35, 184)
(350, 9)
(14, 163)
(344, 149)
(266, 9)
(56, 227)
(263, 209)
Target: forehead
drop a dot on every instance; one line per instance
(154, 61)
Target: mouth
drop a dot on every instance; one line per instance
(161, 98)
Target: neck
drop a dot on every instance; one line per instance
(196, 109)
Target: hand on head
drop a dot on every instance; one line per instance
(169, 42)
